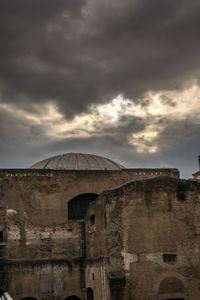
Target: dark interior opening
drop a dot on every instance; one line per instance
(72, 298)
(92, 219)
(174, 299)
(28, 298)
(1, 236)
(169, 257)
(90, 294)
(77, 206)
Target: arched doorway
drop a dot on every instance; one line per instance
(72, 298)
(171, 288)
(90, 294)
(78, 205)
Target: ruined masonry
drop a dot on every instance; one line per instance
(82, 227)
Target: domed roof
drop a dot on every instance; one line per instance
(77, 161)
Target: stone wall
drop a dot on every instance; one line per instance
(43, 279)
(150, 241)
(42, 253)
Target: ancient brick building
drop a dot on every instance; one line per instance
(81, 226)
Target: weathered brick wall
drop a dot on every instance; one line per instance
(43, 279)
(145, 220)
(36, 229)
(34, 212)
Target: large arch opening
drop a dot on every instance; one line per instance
(72, 298)
(78, 205)
(90, 294)
(171, 288)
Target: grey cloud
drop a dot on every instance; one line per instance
(76, 53)
(167, 101)
(22, 144)
(19, 140)
(179, 145)
(53, 50)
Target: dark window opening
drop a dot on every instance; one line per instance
(92, 276)
(92, 219)
(29, 298)
(169, 258)
(174, 299)
(1, 236)
(181, 196)
(90, 294)
(72, 298)
(77, 207)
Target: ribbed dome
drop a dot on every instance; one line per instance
(77, 161)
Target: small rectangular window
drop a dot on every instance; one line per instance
(1, 236)
(169, 258)
(92, 219)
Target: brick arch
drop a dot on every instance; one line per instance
(169, 274)
(171, 288)
(171, 285)
(97, 187)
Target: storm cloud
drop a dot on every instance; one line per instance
(115, 78)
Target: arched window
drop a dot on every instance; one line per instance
(77, 206)
(171, 288)
(72, 298)
(90, 294)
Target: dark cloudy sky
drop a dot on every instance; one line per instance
(118, 78)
